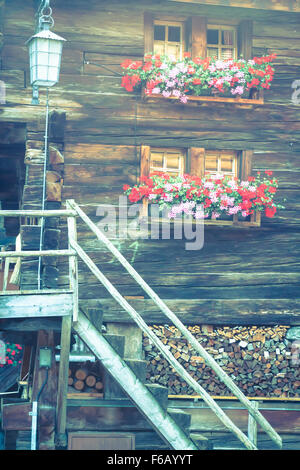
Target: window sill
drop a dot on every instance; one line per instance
(255, 220)
(247, 102)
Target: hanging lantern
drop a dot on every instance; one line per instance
(45, 51)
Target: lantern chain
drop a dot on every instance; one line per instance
(44, 15)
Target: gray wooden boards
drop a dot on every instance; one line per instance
(47, 304)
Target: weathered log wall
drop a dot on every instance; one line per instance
(105, 127)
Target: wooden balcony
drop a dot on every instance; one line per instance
(39, 302)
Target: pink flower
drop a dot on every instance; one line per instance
(234, 210)
(176, 93)
(199, 214)
(239, 90)
(168, 197)
(156, 91)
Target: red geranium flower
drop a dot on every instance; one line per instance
(272, 190)
(270, 211)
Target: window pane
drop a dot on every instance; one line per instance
(212, 36)
(173, 161)
(159, 32)
(227, 38)
(212, 52)
(156, 160)
(227, 54)
(174, 33)
(211, 163)
(227, 163)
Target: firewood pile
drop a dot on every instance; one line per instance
(258, 359)
(85, 378)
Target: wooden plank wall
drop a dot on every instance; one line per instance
(282, 5)
(105, 127)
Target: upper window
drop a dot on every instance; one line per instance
(221, 162)
(168, 39)
(167, 161)
(221, 42)
(198, 35)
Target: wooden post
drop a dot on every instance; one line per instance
(63, 374)
(6, 273)
(252, 425)
(73, 265)
(44, 387)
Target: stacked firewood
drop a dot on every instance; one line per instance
(85, 379)
(258, 359)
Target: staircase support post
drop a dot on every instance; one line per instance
(61, 406)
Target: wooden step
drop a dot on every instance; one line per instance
(202, 442)
(160, 393)
(181, 418)
(117, 342)
(111, 386)
(139, 367)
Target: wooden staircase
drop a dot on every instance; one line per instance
(129, 376)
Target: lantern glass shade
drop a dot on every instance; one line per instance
(45, 50)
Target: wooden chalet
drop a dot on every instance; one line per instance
(135, 342)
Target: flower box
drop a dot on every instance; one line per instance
(213, 199)
(200, 80)
(254, 99)
(254, 219)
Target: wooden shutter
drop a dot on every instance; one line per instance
(196, 158)
(196, 36)
(245, 33)
(246, 163)
(145, 160)
(148, 33)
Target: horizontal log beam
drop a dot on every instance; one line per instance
(216, 312)
(36, 305)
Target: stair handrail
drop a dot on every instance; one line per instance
(254, 412)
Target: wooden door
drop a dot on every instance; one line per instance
(100, 441)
